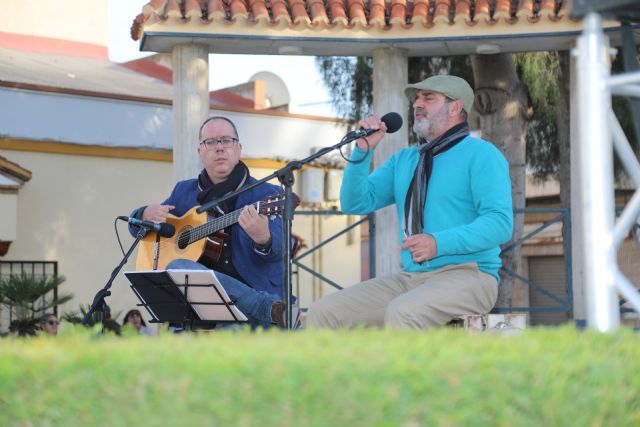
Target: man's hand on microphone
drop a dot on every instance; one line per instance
(157, 213)
(374, 139)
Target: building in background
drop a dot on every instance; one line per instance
(84, 140)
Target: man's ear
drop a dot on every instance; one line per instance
(457, 109)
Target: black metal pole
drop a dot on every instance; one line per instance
(287, 180)
(98, 300)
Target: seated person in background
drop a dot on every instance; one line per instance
(49, 324)
(134, 318)
(250, 265)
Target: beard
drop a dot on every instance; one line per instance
(432, 125)
(422, 127)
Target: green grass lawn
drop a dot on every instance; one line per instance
(542, 377)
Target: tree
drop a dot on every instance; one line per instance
(501, 111)
(350, 82)
(546, 74)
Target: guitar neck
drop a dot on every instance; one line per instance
(215, 224)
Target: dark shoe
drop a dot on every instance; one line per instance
(277, 313)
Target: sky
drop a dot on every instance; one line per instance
(308, 93)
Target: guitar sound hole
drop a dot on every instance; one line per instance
(183, 240)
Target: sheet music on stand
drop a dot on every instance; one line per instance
(183, 295)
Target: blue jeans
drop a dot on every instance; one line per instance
(254, 304)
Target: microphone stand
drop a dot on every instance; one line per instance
(98, 301)
(285, 176)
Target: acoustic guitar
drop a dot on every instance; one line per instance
(197, 236)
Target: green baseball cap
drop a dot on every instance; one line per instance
(450, 86)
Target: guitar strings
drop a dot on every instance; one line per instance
(214, 225)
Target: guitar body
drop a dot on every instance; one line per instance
(197, 238)
(168, 247)
(212, 249)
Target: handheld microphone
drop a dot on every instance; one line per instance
(392, 120)
(163, 229)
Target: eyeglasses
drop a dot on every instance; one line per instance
(225, 141)
(53, 322)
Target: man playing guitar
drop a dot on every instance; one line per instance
(249, 252)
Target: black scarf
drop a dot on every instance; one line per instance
(210, 191)
(417, 192)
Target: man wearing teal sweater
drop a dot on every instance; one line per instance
(453, 198)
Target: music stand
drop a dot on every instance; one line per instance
(184, 297)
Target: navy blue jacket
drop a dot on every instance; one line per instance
(263, 272)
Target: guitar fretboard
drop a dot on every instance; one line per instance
(200, 232)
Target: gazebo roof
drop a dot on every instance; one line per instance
(357, 27)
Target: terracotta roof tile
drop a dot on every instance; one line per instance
(481, 11)
(215, 9)
(299, 12)
(419, 12)
(237, 8)
(259, 10)
(192, 9)
(502, 11)
(337, 12)
(363, 14)
(226, 98)
(525, 10)
(318, 12)
(376, 12)
(280, 11)
(173, 10)
(357, 12)
(441, 12)
(398, 12)
(462, 12)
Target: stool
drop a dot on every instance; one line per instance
(490, 322)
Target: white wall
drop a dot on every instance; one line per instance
(8, 216)
(84, 120)
(66, 213)
(108, 122)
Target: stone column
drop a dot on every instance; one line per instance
(390, 75)
(190, 106)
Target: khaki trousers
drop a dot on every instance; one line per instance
(408, 300)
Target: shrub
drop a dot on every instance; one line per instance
(27, 298)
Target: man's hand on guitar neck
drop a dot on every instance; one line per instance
(255, 225)
(157, 213)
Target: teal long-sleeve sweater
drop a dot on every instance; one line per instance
(468, 209)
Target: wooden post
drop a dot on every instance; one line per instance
(390, 77)
(190, 106)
